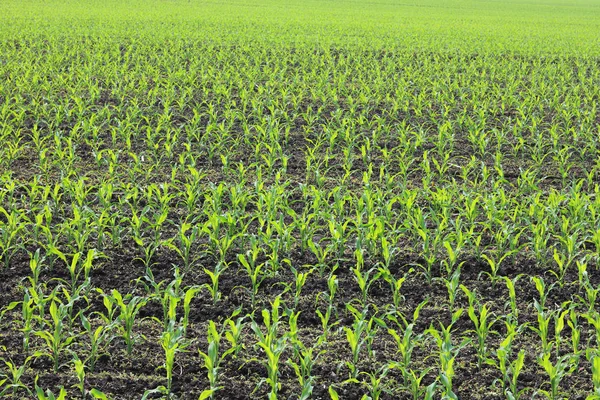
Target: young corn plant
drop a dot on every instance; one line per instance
(10, 229)
(80, 374)
(556, 371)
(213, 358)
(479, 315)
(593, 319)
(325, 318)
(149, 244)
(406, 345)
(173, 341)
(512, 298)
(452, 286)
(255, 273)
(595, 362)
(233, 332)
(375, 323)
(214, 276)
(375, 381)
(170, 299)
(48, 394)
(510, 369)
(13, 383)
(573, 323)
(40, 300)
(363, 278)
(494, 261)
(559, 325)
(510, 372)
(296, 286)
(395, 285)
(591, 292)
(188, 296)
(187, 235)
(35, 265)
(544, 318)
(562, 263)
(361, 333)
(98, 339)
(221, 236)
(28, 317)
(542, 289)
(447, 353)
(407, 341)
(75, 267)
(27, 313)
(128, 307)
(58, 338)
(322, 254)
(414, 383)
(452, 263)
(430, 241)
(303, 360)
(272, 344)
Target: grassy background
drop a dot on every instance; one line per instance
(530, 26)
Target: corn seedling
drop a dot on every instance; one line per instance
(58, 338)
(479, 315)
(99, 339)
(556, 372)
(447, 353)
(128, 307)
(214, 276)
(255, 272)
(272, 344)
(80, 373)
(325, 318)
(12, 383)
(173, 341)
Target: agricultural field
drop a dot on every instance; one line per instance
(283, 199)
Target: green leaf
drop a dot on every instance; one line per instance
(98, 394)
(206, 394)
(430, 392)
(333, 394)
